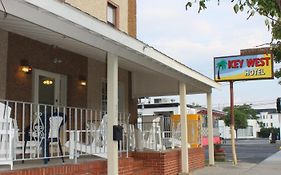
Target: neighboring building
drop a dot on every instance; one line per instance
(165, 107)
(249, 132)
(82, 58)
(268, 118)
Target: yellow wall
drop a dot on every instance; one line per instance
(98, 9)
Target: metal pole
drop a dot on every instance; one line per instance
(232, 124)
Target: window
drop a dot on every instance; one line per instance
(104, 97)
(111, 14)
(121, 99)
(157, 100)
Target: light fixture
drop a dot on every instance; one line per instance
(25, 67)
(57, 61)
(83, 83)
(82, 80)
(47, 82)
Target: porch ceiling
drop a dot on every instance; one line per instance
(56, 23)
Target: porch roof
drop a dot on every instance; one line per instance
(56, 23)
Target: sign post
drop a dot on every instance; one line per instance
(236, 68)
(232, 124)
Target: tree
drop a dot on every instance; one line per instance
(248, 110)
(240, 118)
(271, 9)
(221, 66)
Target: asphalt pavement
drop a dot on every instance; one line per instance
(255, 157)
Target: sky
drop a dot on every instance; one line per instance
(195, 39)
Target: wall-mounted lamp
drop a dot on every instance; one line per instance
(57, 61)
(82, 80)
(25, 67)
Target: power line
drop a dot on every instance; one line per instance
(253, 103)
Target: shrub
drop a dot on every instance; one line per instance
(264, 132)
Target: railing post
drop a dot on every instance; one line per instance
(75, 136)
(71, 144)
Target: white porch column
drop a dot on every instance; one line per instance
(184, 136)
(210, 129)
(112, 113)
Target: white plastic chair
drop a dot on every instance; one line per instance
(53, 124)
(98, 146)
(7, 135)
(152, 135)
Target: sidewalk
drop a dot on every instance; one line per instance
(270, 166)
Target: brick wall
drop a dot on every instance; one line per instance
(87, 168)
(3, 62)
(96, 167)
(41, 56)
(255, 51)
(132, 18)
(169, 162)
(139, 163)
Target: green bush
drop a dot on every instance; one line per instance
(264, 132)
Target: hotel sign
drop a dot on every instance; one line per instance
(248, 67)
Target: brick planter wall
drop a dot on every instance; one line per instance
(169, 162)
(139, 163)
(97, 167)
(86, 168)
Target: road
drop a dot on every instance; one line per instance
(251, 151)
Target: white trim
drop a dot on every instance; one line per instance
(35, 88)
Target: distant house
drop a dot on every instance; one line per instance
(246, 133)
(269, 118)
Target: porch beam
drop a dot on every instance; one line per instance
(184, 136)
(210, 129)
(112, 113)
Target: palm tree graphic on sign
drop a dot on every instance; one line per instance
(221, 66)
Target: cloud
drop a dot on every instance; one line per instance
(195, 39)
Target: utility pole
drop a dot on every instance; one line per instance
(232, 124)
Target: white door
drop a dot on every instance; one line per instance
(49, 88)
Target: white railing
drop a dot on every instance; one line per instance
(158, 133)
(44, 131)
(150, 134)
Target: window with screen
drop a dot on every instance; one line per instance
(111, 14)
